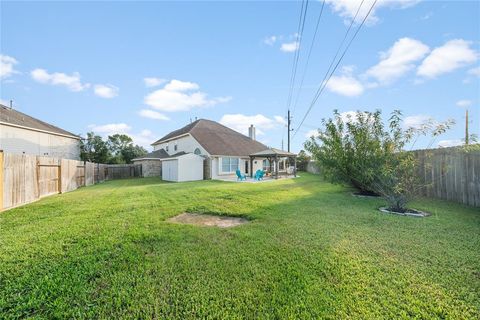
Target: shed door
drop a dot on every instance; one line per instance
(170, 170)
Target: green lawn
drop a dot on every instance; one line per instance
(311, 250)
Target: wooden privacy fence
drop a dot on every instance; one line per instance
(451, 174)
(26, 178)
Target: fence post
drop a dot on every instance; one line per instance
(59, 180)
(38, 176)
(1, 180)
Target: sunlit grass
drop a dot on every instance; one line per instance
(311, 250)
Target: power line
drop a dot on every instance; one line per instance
(308, 56)
(301, 26)
(324, 83)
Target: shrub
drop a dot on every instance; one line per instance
(359, 150)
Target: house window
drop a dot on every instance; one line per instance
(175, 147)
(229, 164)
(166, 148)
(197, 151)
(266, 165)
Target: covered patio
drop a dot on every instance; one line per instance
(273, 156)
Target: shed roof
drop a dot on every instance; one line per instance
(217, 139)
(20, 119)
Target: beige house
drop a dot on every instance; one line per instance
(224, 150)
(23, 134)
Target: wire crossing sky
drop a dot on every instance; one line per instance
(147, 68)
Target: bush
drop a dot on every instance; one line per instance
(359, 150)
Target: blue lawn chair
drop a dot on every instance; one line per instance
(240, 176)
(259, 175)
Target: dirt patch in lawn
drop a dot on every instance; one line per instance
(208, 220)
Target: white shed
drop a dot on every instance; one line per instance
(185, 167)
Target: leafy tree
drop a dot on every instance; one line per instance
(123, 150)
(350, 150)
(302, 160)
(362, 152)
(94, 149)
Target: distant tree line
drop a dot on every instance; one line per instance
(115, 149)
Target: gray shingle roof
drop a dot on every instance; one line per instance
(271, 152)
(18, 118)
(217, 139)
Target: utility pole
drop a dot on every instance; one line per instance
(289, 122)
(466, 127)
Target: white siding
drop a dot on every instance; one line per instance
(188, 167)
(185, 143)
(217, 167)
(19, 141)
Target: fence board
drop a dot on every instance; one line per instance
(451, 174)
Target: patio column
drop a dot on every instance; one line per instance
(276, 167)
(251, 166)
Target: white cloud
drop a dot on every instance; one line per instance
(290, 46)
(464, 103)
(398, 60)
(181, 96)
(347, 8)
(153, 82)
(270, 40)
(450, 143)
(311, 133)
(72, 82)
(106, 90)
(416, 121)
(345, 85)
(280, 120)
(153, 115)
(111, 128)
(452, 55)
(7, 66)
(241, 123)
(474, 71)
(177, 85)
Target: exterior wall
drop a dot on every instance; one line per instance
(190, 168)
(185, 143)
(217, 167)
(150, 168)
(24, 141)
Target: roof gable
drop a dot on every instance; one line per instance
(217, 139)
(17, 118)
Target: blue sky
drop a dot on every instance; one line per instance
(83, 65)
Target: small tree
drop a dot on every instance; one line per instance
(94, 149)
(123, 150)
(350, 149)
(361, 151)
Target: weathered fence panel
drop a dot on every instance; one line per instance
(451, 174)
(89, 173)
(20, 179)
(26, 178)
(99, 172)
(123, 171)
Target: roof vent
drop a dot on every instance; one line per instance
(251, 132)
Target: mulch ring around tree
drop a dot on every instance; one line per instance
(209, 220)
(408, 212)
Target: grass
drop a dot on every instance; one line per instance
(311, 250)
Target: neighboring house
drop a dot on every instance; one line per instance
(23, 134)
(224, 150)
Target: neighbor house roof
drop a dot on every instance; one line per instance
(15, 118)
(157, 154)
(217, 139)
